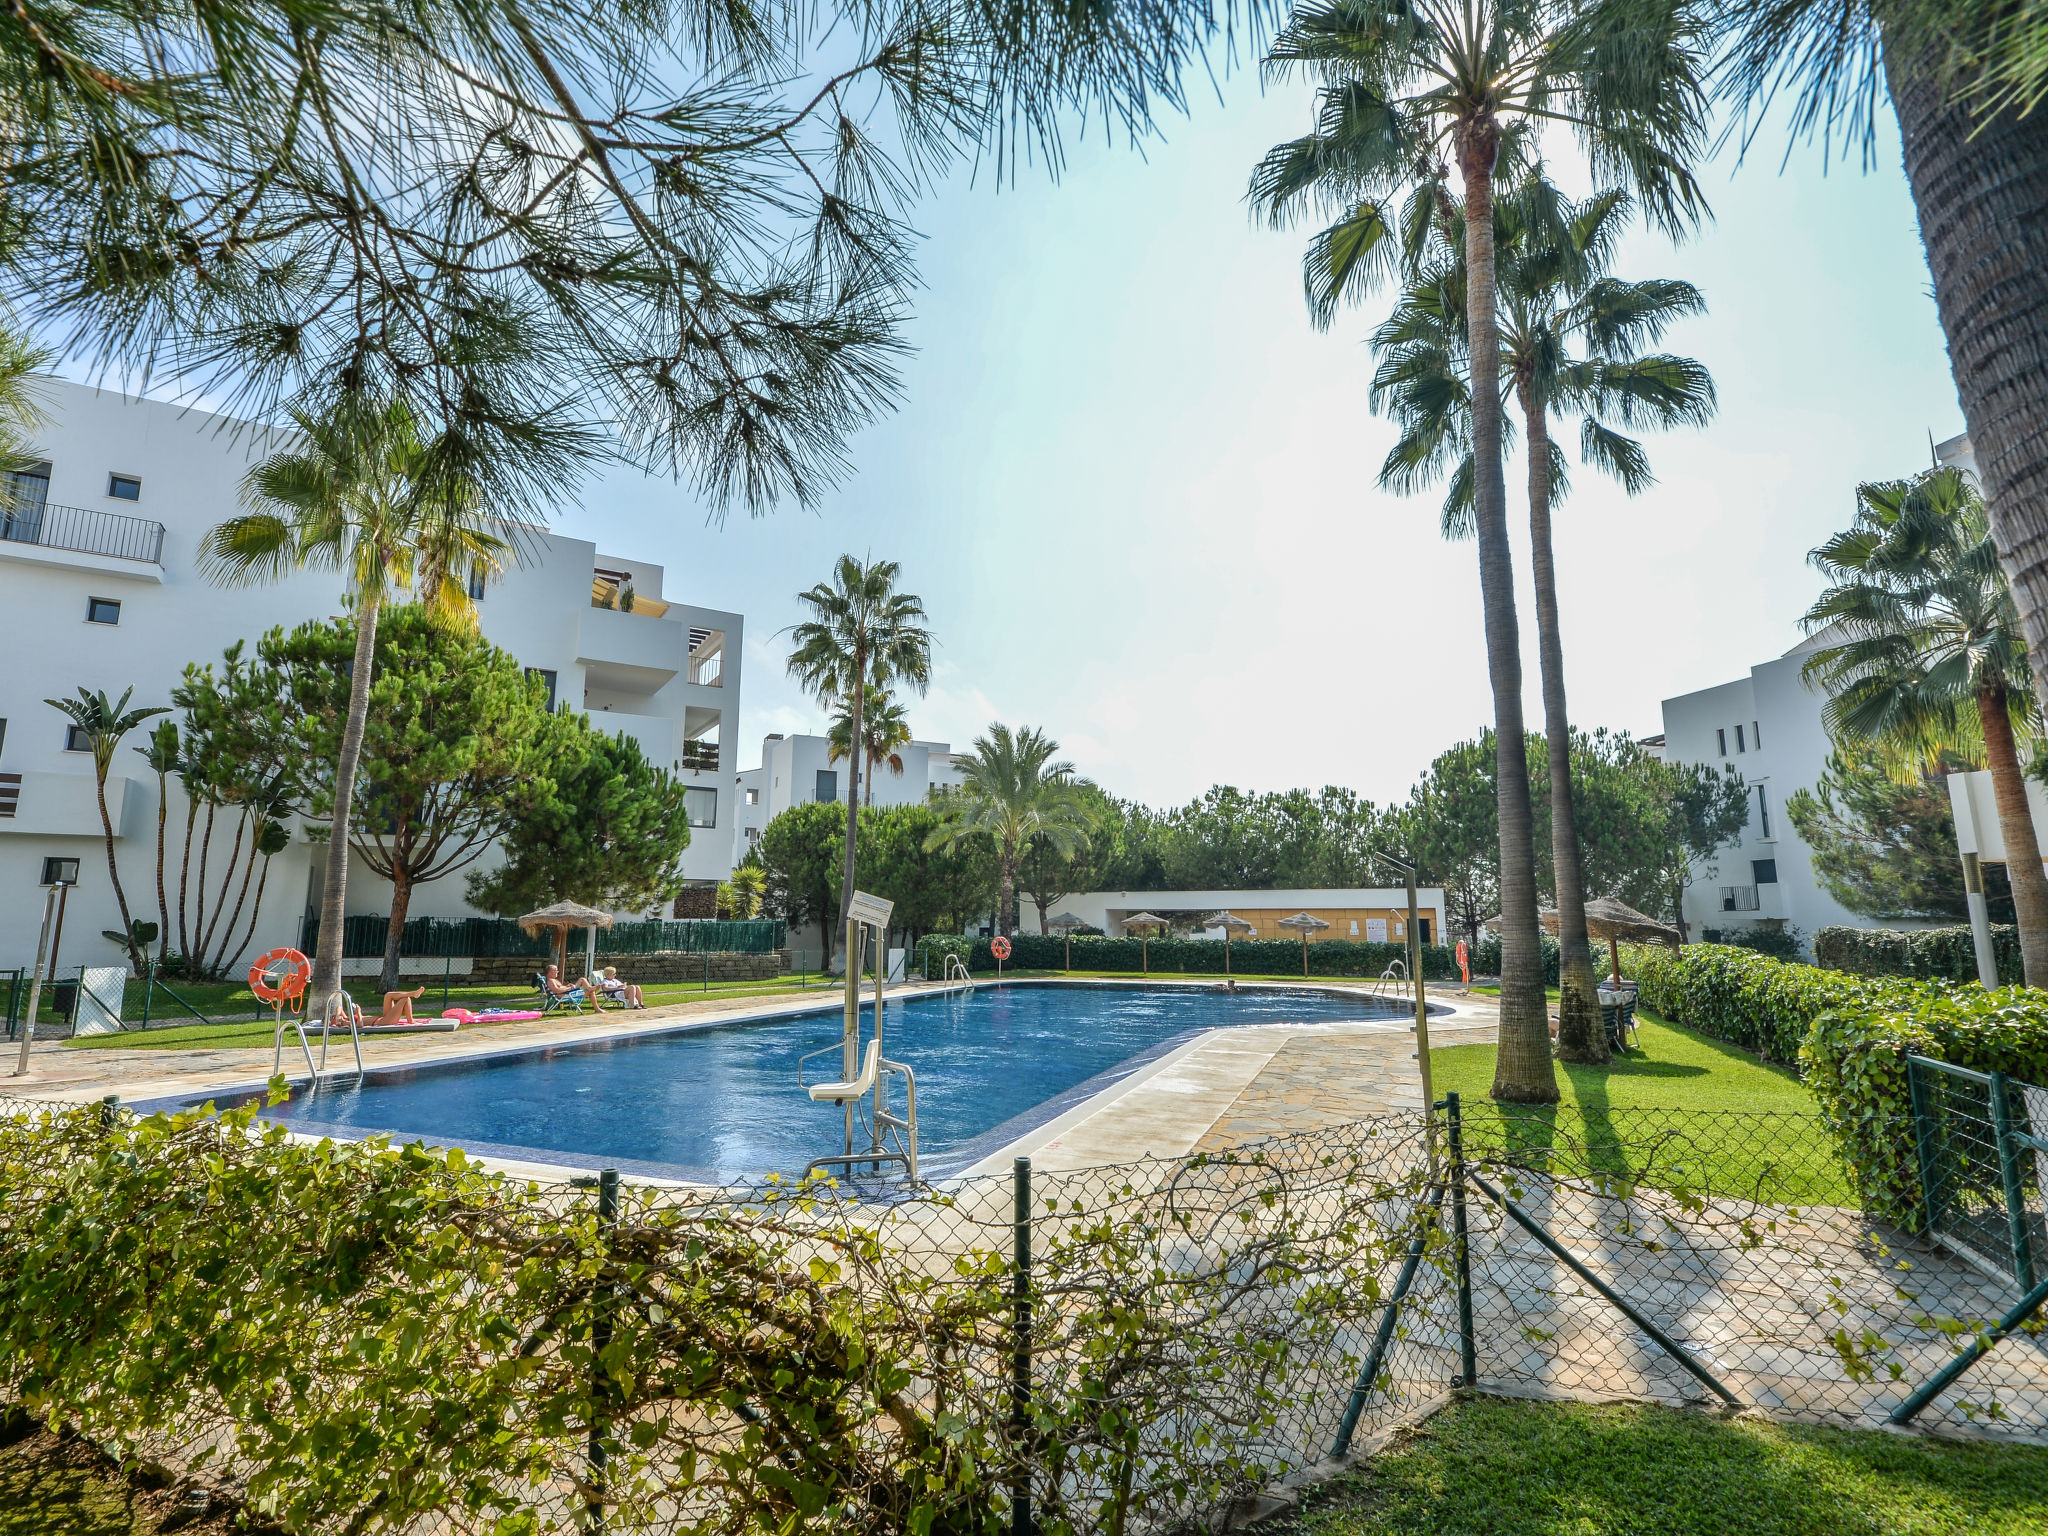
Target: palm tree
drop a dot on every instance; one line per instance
(885, 731)
(1011, 788)
(862, 632)
(104, 725)
(1923, 627)
(1572, 342)
(1964, 78)
(362, 493)
(165, 757)
(1404, 86)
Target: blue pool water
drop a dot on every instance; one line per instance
(724, 1099)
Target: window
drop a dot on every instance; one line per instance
(476, 583)
(124, 488)
(23, 495)
(1422, 928)
(60, 871)
(76, 740)
(700, 807)
(1738, 740)
(1738, 898)
(753, 835)
(1756, 736)
(547, 677)
(1764, 871)
(3, 737)
(102, 610)
(753, 797)
(1722, 738)
(828, 785)
(1763, 811)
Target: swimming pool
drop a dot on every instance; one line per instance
(722, 1100)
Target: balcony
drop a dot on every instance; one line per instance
(1739, 898)
(79, 530)
(629, 653)
(66, 804)
(707, 658)
(700, 757)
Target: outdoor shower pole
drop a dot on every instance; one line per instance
(1421, 1007)
(35, 984)
(849, 1038)
(1980, 922)
(881, 1077)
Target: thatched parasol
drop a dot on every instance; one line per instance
(1304, 924)
(1230, 923)
(1144, 920)
(1066, 922)
(562, 916)
(1614, 921)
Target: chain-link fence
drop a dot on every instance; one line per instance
(385, 1338)
(1982, 1140)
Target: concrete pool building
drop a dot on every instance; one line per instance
(99, 589)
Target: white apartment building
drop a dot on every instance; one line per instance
(796, 770)
(99, 589)
(1769, 726)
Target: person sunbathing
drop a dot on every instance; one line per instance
(626, 991)
(559, 988)
(398, 1007)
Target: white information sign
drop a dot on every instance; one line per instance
(872, 910)
(1375, 930)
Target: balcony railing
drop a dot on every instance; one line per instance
(700, 756)
(84, 531)
(1738, 898)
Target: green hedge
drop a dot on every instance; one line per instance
(363, 935)
(1855, 1061)
(1946, 954)
(1763, 1005)
(1248, 957)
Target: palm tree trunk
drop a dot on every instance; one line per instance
(1523, 1072)
(163, 905)
(249, 933)
(334, 885)
(199, 883)
(2016, 824)
(241, 898)
(114, 874)
(1580, 1036)
(227, 879)
(184, 876)
(1980, 187)
(853, 751)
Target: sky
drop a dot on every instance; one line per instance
(1136, 488)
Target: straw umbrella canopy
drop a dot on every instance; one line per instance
(561, 917)
(1144, 920)
(1304, 924)
(1230, 923)
(1066, 922)
(1614, 921)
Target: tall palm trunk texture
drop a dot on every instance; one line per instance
(114, 874)
(334, 886)
(2016, 824)
(1580, 1035)
(1980, 187)
(1523, 1073)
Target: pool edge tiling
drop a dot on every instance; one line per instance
(1005, 1066)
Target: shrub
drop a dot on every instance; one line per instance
(1787, 943)
(1486, 959)
(1947, 954)
(1855, 1061)
(1738, 995)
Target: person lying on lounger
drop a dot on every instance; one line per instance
(398, 1007)
(557, 987)
(626, 991)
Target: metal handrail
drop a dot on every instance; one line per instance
(83, 530)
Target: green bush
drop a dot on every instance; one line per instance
(1738, 995)
(1945, 954)
(1486, 959)
(1855, 1062)
(1787, 943)
(1248, 957)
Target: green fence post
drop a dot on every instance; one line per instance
(13, 1000)
(1020, 1345)
(598, 1450)
(1923, 1142)
(1468, 1352)
(447, 974)
(2009, 1174)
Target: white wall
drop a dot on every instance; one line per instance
(788, 775)
(634, 668)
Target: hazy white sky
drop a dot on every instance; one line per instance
(1136, 489)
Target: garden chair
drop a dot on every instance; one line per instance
(1618, 1013)
(551, 1000)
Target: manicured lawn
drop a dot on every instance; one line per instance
(1675, 1080)
(1493, 1467)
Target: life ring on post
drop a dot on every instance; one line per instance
(999, 947)
(291, 971)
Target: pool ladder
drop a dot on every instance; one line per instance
(1394, 980)
(955, 966)
(339, 1006)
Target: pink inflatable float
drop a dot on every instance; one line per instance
(490, 1015)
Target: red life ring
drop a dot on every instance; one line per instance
(999, 947)
(290, 984)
